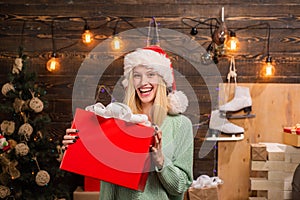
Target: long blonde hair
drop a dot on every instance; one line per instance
(160, 106)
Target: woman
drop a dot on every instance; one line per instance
(149, 82)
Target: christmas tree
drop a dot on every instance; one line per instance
(29, 155)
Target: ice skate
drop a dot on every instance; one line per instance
(241, 101)
(219, 125)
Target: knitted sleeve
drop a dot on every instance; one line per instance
(107, 191)
(177, 173)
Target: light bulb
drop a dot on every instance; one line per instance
(232, 42)
(269, 69)
(207, 57)
(53, 64)
(87, 36)
(116, 43)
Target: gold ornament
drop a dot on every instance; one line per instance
(12, 143)
(36, 104)
(42, 178)
(22, 149)
(18, 105)
(4, 191)
(12, 170)
(25, 130)
(9, 167)
(17, 66)
(6, 88)
(8, 127)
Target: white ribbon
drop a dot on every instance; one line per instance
(205, 181)
(119, 111)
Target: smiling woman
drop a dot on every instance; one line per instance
(150, 90)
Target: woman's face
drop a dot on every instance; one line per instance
(145, 82)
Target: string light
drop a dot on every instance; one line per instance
(87, 36)
(116, 43)
(232, 42)
(53, 64)
(268, 69)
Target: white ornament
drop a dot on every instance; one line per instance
(6, 88)
(36, 104)
(17, 66)
(4, 191)
(25, 130)
(7, 127)
(42, 178)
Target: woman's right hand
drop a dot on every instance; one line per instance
(70, 137)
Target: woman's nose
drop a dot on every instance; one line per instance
(144, 80)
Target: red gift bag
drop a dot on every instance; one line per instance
(91, 184)
(111, 150)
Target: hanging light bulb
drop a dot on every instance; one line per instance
(207, 57)
(116, 43)
(53, 63)
(232, 42)
(87, 36)
(268, 68)
(194, 31)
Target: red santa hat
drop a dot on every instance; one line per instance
(156, 58)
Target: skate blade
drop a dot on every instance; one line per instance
(231, 116)
(224, 138)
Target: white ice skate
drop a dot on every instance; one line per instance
(218, 125)
(241, 101)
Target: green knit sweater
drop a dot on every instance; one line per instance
(175, 177)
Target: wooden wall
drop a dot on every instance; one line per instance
(283, 17)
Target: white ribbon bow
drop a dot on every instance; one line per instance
(206, 181)
(119, 111)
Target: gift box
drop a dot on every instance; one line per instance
(91, 184)
(291, 139)
(207, 193)
(292, 130)
(110, 149)
(79, 194)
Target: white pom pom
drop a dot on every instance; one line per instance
(178, 102)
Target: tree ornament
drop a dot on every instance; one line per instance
(25, 130)
(17, 66)
(22, 149)
(7, 87)
(4, 145)
(60, 153)
(7, 127)
(9, 167)
(4, 191)
(18, 105)
(36, 104)
(12, 143)
(42, 178)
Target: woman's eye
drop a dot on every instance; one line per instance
(136, 75)
(151, 74)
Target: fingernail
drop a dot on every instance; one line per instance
(76, 137)
(77, 130)
(74, 140)
(156, 128)
(66, 148)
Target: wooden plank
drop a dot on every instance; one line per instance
(272, 112)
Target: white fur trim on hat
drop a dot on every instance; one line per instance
(152, 59)
(178, 102)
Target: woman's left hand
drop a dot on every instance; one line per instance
(156, 150)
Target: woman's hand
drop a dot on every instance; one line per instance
(156, 150)
(69, 138)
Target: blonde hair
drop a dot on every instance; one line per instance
(160, 106)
